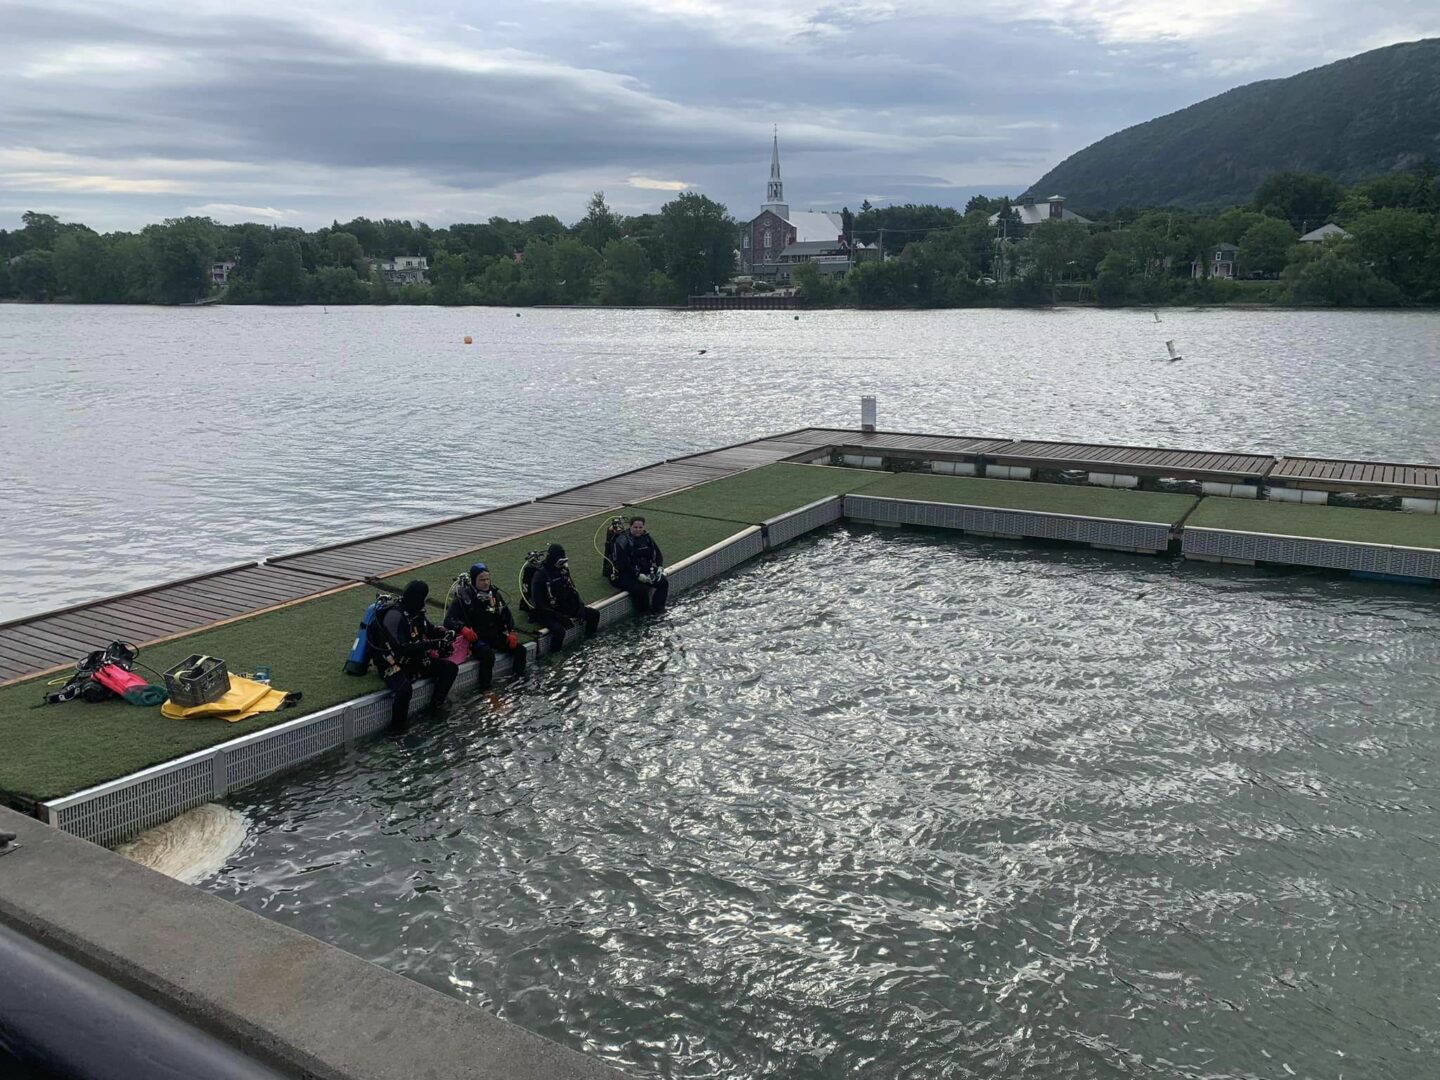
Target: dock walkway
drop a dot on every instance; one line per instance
(106, 770)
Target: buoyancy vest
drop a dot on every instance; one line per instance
(486, 613)
(636, 555)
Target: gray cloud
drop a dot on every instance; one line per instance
(127, 112)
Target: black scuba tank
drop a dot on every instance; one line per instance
(616, 529)
(533, 561)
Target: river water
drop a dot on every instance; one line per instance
(145, 444)
(892, 805)
(880, 804)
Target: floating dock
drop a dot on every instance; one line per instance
(105, 772)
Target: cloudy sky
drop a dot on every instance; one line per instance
(117, 113)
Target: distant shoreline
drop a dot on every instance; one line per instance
(1061, 306)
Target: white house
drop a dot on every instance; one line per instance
(1223, 262)
(405, 270)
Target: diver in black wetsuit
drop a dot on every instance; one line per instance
(554, 600)
(640, 567)
(405, 645)
(478, 606)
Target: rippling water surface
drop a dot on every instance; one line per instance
(144, 444)
(893, 805)
(879, 805)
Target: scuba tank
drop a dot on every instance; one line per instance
(613, 532)
(462, 589)
(359, 660)
(533, 561)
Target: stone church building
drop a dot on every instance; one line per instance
(777, 239)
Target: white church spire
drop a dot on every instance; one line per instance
(775, 189)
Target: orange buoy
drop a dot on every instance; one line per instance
(468, 340)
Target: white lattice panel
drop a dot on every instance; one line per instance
(1147, 536)
(787, 527)
(254, 760)
(716, 560)
(1307, 551)
(117, 812)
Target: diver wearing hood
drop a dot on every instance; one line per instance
(478, 607)
(405, 645)
(555, 601)
(640, 567)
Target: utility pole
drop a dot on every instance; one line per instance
(882, 243)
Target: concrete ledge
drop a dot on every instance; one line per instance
(68, 1021)
(285, 999)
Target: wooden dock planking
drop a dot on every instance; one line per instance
(969, 445)
(1342, 474)
(1133, 460)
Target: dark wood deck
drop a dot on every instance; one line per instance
(1134, 460)
(1340, 474)
(1150, 461)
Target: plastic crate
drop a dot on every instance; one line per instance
(197, 680)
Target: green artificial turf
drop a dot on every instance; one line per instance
(1322, 522)
(763, 493)
(60, 749)
(1028, 495)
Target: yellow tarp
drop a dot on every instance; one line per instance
(245, 697)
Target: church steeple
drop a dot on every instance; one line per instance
(775, 189)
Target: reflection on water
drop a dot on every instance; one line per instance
(897, 805)
(144, 444)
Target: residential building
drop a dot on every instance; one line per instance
(1224, 259)
(778, 238)
(220, 273)
(1033, 211)
(1325, 232)
(405, 270)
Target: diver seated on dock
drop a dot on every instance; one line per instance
(640, 567)
(477, 607)
(405, 645)
(554, 601)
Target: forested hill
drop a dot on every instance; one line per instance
(1356, 118)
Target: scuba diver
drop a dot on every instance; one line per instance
(477, 606)
(553, 600)
(640, 567)
(405, 645)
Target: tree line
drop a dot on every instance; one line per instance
(950, 258)
(687, 247)
(934, 256)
